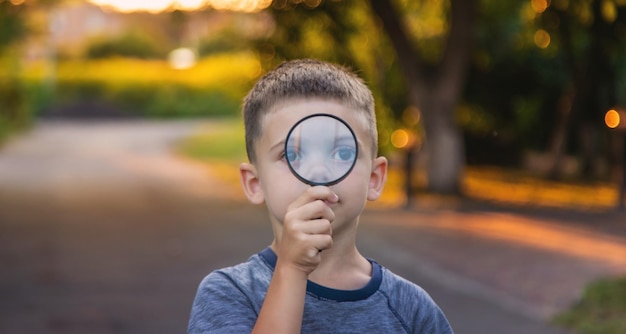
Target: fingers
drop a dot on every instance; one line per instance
(318, 226)
(316, 209)
(307, 229)
(312, 194)
(299, 232)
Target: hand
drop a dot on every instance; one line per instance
(307, 229)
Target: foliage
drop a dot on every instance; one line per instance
(342, 32)
(602, 309)
(14, 104)
(227, 40)
(13, 14)
(427, 25)
(587, 38)
(509, 104)
(512, 88)
(14, 112)
(12, 26)
(131, 44)
(215, 86)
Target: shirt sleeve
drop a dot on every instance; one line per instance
(428, 317)
(221, 306)
(432, 319)
(414, 307)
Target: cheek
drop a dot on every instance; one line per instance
(354, 187)
(281, 188)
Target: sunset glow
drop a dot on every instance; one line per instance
(155, 6)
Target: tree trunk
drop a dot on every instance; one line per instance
(436, 95)
(444, 146)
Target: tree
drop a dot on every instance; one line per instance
(435, 88)
(590, 36)
(13, 27)
(342, 32)
(328, 30)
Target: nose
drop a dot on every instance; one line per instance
(317, 173)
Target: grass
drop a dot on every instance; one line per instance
(602, 310)
(220, 146)
(222, 142)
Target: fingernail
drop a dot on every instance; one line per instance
(335, 198)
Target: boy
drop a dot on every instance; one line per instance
(312, 278)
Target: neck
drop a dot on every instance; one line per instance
(342, 272)
(342, 266)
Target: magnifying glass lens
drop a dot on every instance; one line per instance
(321, 149)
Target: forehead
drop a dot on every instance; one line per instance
(277, 122)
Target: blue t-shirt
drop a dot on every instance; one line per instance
(229, 301)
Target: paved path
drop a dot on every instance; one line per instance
(104, 230)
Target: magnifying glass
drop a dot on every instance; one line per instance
(321, 149)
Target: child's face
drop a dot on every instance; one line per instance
(280, 187)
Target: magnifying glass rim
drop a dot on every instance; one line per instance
(332, 182)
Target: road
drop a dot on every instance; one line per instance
(103, 229)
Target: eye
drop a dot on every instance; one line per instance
(292, 155)
(344, 154)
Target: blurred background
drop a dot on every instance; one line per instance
(531, 86)
(514, 106)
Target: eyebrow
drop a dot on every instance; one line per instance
(347, 138)
(280, 144)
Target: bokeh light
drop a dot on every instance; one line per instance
(539, 6)
(411, 116)
(612, 119)
(400, 138)
(135, 5)
(155, 6)
(609, 11)
(240, 5)
(542, 38)
(182, 58)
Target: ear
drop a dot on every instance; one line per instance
(378, 177)
(250, 183)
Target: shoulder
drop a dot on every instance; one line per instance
(230, 298)
(397, 287)
(413, 304)
(245, 277)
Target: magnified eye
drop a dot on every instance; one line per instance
(344, 154)
(292, 155)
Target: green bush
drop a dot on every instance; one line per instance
(173, 100)
(132, 45)
(168, 100)
(146, 88)
(15, 113)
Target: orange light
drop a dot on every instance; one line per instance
(539, 6)
(612, 119)
(400, 138)
(542, 38)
